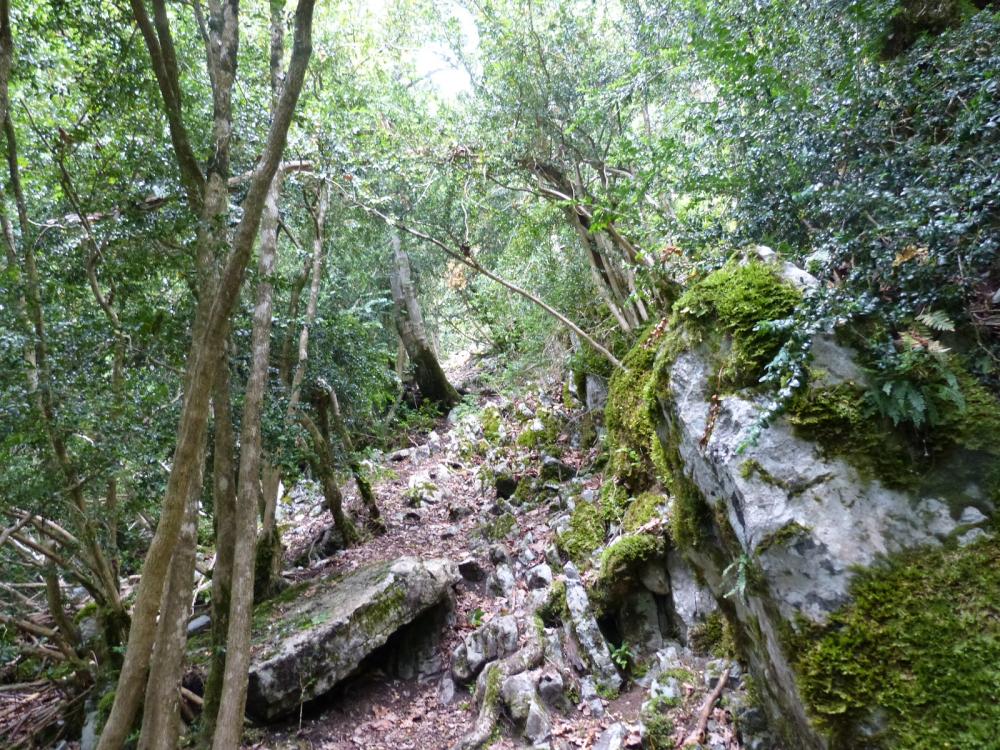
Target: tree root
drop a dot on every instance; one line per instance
(487, 696)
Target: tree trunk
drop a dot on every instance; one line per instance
(224, 503)
(229, 725)
(364, 486)
(213, 310)
(160, 716)
(431, 380)
(321, 461)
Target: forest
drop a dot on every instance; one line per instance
(500, 373)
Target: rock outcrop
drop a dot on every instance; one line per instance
(779, 522)
(321, 633)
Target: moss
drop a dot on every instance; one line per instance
(713, 636)
(87, 610)
(642, 510)
(584, 535)
(659, 726)
(787, 533)
(836, 419)
(524, 492)
(628, 419)
(614, 502)
(543, 436)
(555, 609)
(839, 421)
(920, 644)
(491, 695)
(737, 299)
(977, 425)
(490, 420)
(500, 528)
(620, 564)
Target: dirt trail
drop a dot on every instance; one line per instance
(381, 710)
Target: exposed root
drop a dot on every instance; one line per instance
(487, 696)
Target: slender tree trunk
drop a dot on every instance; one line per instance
(364, 486)
(161, 716)
(323, 466)
(229, 724)
(431, 380)
(214, 309)
(224, 503)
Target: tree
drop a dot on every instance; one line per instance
(165, 577)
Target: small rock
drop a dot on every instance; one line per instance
(450, 532)
(537, 726)
(411, 516)
(540, 576)
(401, 455)
(588, 634)
(972, 515)
(446, 690)
(499, 554)
(198, 624)
(971, 536)
(494, 640)
(502, 582)
(612, 738)
(471, 570)
(551, 688)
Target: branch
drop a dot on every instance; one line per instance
(698, 734)
(471, 263)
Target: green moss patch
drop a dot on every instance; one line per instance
(620, 564)
(642, 510)
(584, 535)
(737, 299)
(628, 419)
(920, 645)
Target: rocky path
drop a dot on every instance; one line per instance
(521, 658)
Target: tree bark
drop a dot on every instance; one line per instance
(427, 371)
(229, 724)
(224, 503)
(364, 486)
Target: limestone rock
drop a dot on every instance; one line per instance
(494, 640)
(316, 640)
(612, 738)
(588, 635)
(805, 519)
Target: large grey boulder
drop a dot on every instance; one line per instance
(807, 521)
(309, 644)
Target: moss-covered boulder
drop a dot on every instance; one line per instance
(318, 634)
(786, 530)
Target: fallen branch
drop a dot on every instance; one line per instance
(697, 736)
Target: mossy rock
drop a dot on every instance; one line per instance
(642, 510)
(585, 534)
(918, 647)
(620, 565)
(500, 528)
(306, 645)
(740, 299)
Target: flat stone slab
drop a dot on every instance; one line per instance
(306, 644)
